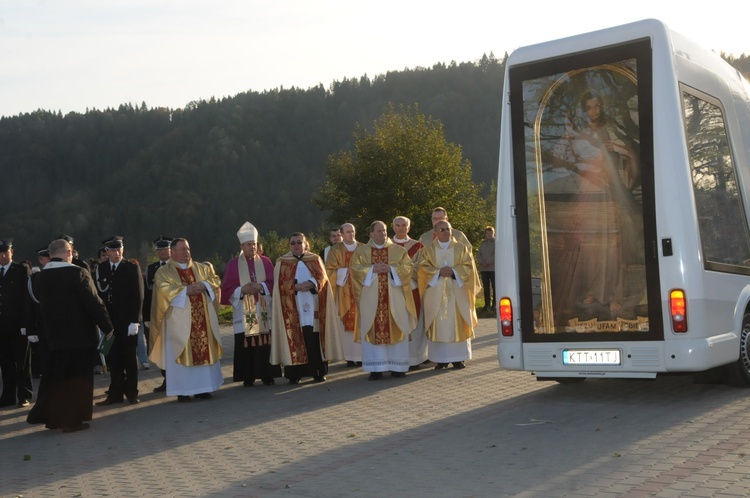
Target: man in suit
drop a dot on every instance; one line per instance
(14, 348)
(120, 286)
(70, 311)
(164, 254)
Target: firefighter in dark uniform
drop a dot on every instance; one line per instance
(164, 254)
(14, 347)
(120, 286)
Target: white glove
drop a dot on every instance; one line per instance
(23, 330)
(133, 329)
(33, 338)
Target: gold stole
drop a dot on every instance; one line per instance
(350, 319)
(257, 315)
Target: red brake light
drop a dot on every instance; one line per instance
(505, 315)
(678, 310)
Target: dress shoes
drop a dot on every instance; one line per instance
(319, 378)
(76, 428)
(375, 376)
(268, 382)
(414, 367)
(398, 375)
(108, 401)
(134, 400)
(441, 366)
(350, 364)
(203, 396)
(23, 403)
(294, 381)
(162, 388)
(248, 383)
(183, 399)
(458, 365)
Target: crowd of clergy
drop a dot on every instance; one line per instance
(387, 306)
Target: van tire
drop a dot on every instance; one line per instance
(738, 373)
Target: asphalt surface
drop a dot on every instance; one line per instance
(477, 432)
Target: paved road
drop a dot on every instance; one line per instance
(477, 432)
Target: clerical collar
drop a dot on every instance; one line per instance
(401, 241)
(379, 246)
(183, 266)
(444, 245)
(351, 247)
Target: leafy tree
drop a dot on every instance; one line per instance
(405, 166)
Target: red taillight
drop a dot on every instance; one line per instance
(678, 310)
(505, 315)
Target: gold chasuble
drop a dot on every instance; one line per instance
(449, 310)
(381, 307)
(287, 342)
(195, 338)
(339, 257)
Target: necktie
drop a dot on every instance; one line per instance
(113, 268)
(2, 271)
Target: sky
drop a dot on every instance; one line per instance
(74, 55)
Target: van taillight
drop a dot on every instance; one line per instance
(678, 310)
(505, 314)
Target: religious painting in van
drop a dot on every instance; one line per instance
(585, 203)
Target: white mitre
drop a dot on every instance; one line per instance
(247, 233)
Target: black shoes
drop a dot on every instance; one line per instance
(203, 396)
(319, 378)
(375, 376)
(398, 375)
(458, 365)
(268, 382)
(294, 381)
(162, 388)
(183, 399)
(441, 366)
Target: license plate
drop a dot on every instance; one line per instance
(575, 357)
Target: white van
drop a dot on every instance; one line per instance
(622, 245)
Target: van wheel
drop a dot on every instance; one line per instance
(738, 373)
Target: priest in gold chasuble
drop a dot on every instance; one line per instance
(185, 334)
(381, 275)
(448, 285)
(337, 265)
(304, 328)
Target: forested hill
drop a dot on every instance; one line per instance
(201, 171)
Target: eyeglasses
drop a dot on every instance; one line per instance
(444, 229)
(296, 243)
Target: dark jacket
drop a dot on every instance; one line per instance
(14, 299)
(122, 293)
(69, 306)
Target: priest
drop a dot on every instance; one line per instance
(247, 287)
(185, 334)
(448, 286)
(381, 277)
(304, 327)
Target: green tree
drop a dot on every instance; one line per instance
(405, 166)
